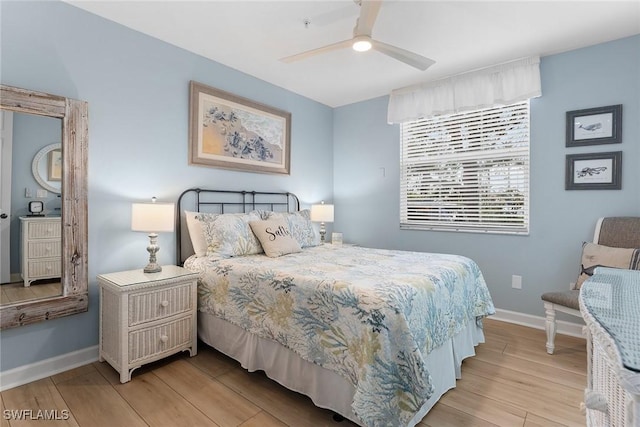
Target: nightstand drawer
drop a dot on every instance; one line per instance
(44, 249)
(158, 304)
(147, 343)
(44, 230)
(44, 268)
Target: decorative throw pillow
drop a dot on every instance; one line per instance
(275, 237)
(229, 234)
(300, 226)
(594, 255)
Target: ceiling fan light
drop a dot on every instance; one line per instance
(361, 45)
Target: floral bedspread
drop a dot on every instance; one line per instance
(370, 315)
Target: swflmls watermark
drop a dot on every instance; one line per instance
(36, 414)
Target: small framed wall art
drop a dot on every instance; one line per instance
(594, 126)
(594, 171)
(231, 132)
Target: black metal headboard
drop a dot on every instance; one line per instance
(224, 201)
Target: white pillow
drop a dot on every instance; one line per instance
(196, 233)
(275, 237)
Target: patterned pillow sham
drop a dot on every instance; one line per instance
(230, 234)
(594, 255)
(275, 237)
(300, 226)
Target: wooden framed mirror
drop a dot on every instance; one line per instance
(74, 269)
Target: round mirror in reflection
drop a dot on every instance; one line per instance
(47, 167)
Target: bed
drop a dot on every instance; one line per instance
(377, 336)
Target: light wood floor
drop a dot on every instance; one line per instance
(511, 382)
(16, 291)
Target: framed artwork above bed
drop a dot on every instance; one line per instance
(231, 132)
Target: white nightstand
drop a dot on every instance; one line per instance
(41, 248)
(145, 317)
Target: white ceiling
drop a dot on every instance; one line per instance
(460, 36)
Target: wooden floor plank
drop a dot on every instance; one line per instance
(34, 398)
(443, 415)
(263, 419)
(158, 404)
(221, 404)
(94, 402)
(485, 408)
(517, 394)
(213, 362)
(526, 381)
(533, 420)
(569, 359)
(72, 373)
(4, 420)
(549, 373)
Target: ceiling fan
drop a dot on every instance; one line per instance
(363, 42)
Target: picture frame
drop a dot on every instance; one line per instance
(594, 171)
(231, 132)
(594, 126)
(54, 165)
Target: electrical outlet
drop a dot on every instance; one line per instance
(41, 194)
(516, 282)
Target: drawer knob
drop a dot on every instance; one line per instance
(164, 303)
(164, 338)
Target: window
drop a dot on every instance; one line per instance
(467, 171)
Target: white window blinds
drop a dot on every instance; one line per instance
(467, 171)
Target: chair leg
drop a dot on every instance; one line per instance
(550, 326)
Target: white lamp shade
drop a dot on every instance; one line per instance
(152, 217)
(322, 213)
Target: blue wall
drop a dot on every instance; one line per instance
(366, 176)
(138, 93)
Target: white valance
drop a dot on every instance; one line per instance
(501, 84)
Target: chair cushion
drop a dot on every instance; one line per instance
(565, 298)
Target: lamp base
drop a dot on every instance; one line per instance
(152, 268)
(323, 232)
(153, 248)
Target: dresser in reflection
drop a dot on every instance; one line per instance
(41, 239)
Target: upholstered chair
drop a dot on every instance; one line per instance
(613, 232)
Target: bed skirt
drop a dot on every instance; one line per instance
(325, 388)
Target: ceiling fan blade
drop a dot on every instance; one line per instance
(368, 14)
(313, 52)
(418, 61)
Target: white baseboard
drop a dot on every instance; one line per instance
(45, 368)
(537, 322)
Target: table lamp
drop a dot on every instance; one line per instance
(152, 218)
(322, 213)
